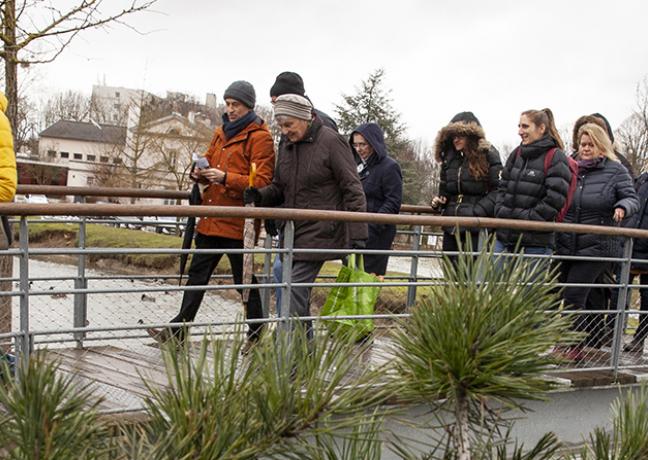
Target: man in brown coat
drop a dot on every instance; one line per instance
(315, 170)
(243, 139)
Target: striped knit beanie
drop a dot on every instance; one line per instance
(293, 105)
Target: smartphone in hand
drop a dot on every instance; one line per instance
(200, 161)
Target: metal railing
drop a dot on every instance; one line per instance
(86, 287)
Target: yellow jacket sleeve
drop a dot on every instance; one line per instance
(8, 176)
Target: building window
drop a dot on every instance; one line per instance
(92, 158)
(78, 156)
(65, 154)
(103, 159)
(117, 161)
(51, 153)
(90, 180)
(117, 94)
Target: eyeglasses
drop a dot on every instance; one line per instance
(360, 145)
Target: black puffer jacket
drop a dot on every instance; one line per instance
(640, 220)
(526, 193)
(601, 189)
(466, 195)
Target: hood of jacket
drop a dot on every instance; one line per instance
(444, 138)
(607, 125)
(3, 102)
(374, 136)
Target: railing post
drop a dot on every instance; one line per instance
(482, 242)
(80, 282)
(620, 314)
(267, 273)
(287, 263)
(24, 348)
(416, 245)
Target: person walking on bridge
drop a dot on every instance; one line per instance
(469, 178)
(605, 195)
(382, 182)
(531, 187)
(8, 182)
(315, 170)
(289, 83)
(243, 139)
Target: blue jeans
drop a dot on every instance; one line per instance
(501, 248)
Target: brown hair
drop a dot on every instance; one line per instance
(477, 161)
(583, 121)
(545, 117)
(600, 139)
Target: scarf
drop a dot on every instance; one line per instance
(232, 128)
(590, 164)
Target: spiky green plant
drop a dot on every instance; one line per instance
(362, 442)
(45, 416)
(628, 439)
(481, 342)
(286, 391)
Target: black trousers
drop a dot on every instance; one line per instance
(583, 272)
(450, 243)
(200, 271)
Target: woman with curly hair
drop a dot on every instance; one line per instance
(469, 179)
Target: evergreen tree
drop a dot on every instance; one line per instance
(373, 103)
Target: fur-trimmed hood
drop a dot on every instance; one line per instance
(444, 138)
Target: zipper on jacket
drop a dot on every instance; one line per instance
(459, 194)
(517, 181)
(577, 201)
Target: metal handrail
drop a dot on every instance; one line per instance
(88, 209)
(60, 190)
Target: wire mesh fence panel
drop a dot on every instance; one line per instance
(595, 346)
(115, 308)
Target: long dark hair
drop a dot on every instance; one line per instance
(477, 161)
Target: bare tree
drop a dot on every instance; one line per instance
(173, 150)
(632, 134)
(26, 23)
(68, 105)
(25, 126)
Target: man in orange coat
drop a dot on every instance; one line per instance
(243, 139)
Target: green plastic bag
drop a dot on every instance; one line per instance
(352, 300)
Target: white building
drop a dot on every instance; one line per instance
(81, 146)
(156, 155)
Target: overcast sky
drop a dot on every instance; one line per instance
(495, 58)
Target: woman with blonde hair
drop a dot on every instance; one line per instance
(605, 195)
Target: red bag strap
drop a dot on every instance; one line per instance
(549, 159)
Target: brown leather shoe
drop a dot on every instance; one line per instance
(159, 335)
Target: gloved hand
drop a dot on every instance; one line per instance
(358, 244)
(251, 195)
(270, 227)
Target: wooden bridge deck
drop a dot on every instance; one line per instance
(117, 373)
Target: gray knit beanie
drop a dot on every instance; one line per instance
(242, 91)
(293, 105)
